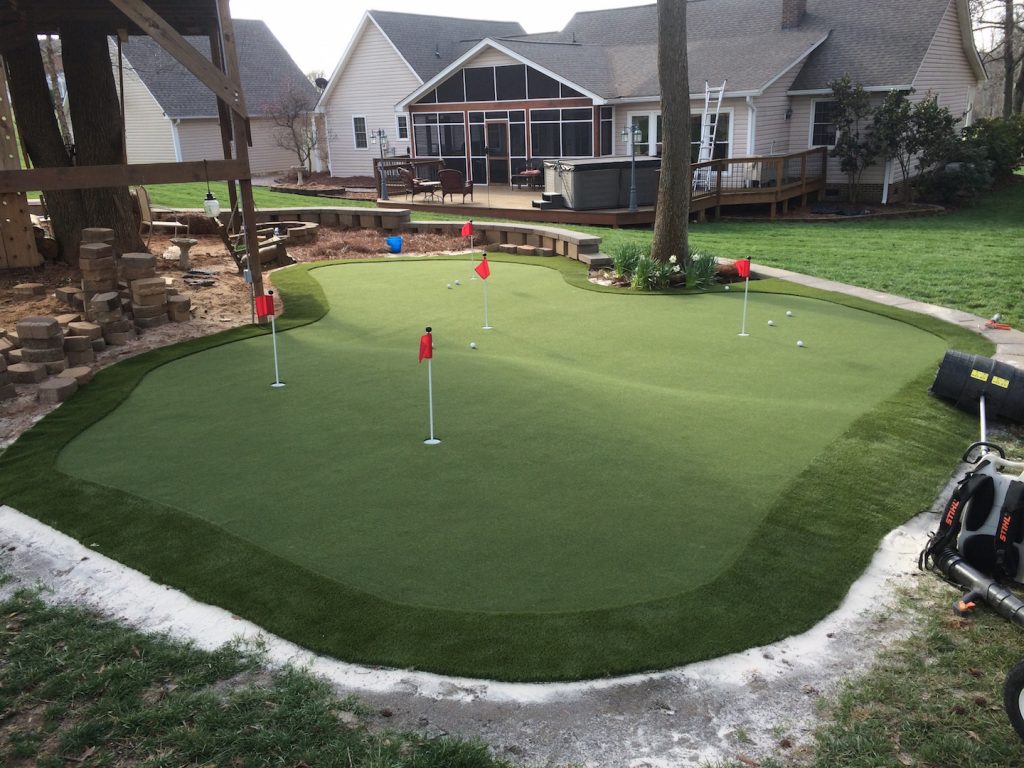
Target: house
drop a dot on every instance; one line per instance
(502, 100)
(389, 56)
(171, 117)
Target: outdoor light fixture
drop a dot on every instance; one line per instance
(632, 134)
(211, 207)
(380, 137)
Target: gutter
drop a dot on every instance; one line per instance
(751, 125)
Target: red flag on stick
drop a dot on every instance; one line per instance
(265, 306)
(483, 269)
(743, 267)
(467, 229)
(426, 346)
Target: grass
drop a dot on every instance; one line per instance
(214, 563)
(968, 259)
(78, 689)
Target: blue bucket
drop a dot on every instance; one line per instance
(395, 244)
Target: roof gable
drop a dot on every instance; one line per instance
(268, 73)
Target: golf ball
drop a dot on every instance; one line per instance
(727, 287)
(449, 286)
(799, 343)
(771, 322)
(457, 282)
(472, 345)
(789, 313)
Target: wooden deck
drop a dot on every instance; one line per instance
(776, 181)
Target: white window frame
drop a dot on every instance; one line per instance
(731, 111)
(654, 119)
(355, 133)
(813, 122)
(402, 125)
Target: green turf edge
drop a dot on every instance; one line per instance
(888, 466)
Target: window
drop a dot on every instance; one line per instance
(649, 143)
(453, 89)
(722, 135)
(547, 139)
(403, 127)
(607, 136)
(511, 82)
(359, 131)
(562, 132)
(480, 84)
(823, 124)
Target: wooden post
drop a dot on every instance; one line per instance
(224, 117)
(803, 180)
(241, 146)
(17, 240)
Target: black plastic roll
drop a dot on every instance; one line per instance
(963, 378)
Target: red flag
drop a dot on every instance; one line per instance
(426, 346)
(265, 306)
(467, 229)
(483, 269)
(743, 267)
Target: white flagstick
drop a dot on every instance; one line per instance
(487, 325)
(273, 335)
(743, 324)
(981, 412)
(430, 398)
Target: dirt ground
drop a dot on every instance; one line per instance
(217, 307)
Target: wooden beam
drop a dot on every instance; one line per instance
(167, 38)
(94, 176)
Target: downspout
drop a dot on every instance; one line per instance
(176, 138)
(885, 184)
(751, 125)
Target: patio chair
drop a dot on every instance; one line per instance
(147, 224)
(453, 184)
(414, 185)
(532, 173)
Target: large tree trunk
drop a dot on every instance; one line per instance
(670, 225)
(96, 121)
(1008, 60)
(41, 136)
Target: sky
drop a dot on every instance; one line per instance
(316, 32)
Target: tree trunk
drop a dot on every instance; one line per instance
(670, 225)
(99, 135)
(1018, 92)
(1008, 60)
(44, 145)
(59, 108)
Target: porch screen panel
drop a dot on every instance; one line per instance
(607, 139)
(426, 138)
(452, 131)
(540, 86)
(479, 83)
(510, 82)
(452, 90)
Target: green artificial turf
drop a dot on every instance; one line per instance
(624, 483)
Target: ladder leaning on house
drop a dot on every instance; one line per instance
(708, 128)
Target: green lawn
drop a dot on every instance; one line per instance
(613, 467)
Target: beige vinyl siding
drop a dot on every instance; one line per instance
(149, 135)
(800, 139)
(945, 70)
(773, 131)
(373, 81)
(200, 140)
(489, 57)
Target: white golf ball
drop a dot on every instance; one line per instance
(457, 282)
(449, 286)
(727, 287)
(472, 345)
(771, 322)
(799, 343)
(789, 313)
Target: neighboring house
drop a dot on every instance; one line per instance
(501, 100)
(171, 117)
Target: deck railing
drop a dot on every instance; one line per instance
(762, 179)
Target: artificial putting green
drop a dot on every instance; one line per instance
(621, 484)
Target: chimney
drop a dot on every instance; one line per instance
(792, 12)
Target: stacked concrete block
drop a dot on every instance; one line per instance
(105, 310)
(26, 373)
(7, 389)
(6, 346)
(92, 331)
(28, 290)
(56, 389)
(82, 374)
(79, 350)
(65, 320)
(99, 273)
(179, 309)
(149, 302)
(137, 266)
(42, 341)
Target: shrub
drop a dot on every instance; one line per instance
(1001, 141)
(960, 182)
(625, 257)
(643, 273)
(700, 270)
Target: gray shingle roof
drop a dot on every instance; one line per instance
(431, 43)
(268, 73)
(613, 52)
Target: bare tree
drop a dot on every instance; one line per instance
(670, 224)
(293, 118)
(1000, 26)
(50, 50)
